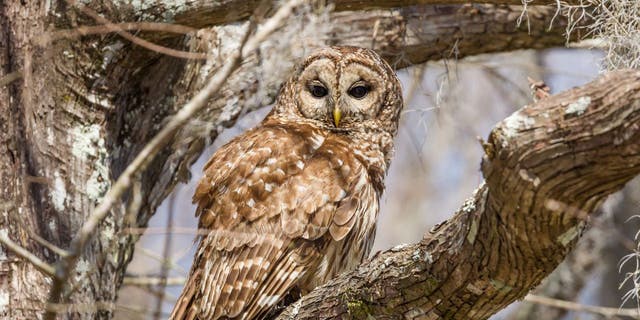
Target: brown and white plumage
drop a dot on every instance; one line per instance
(293, 202)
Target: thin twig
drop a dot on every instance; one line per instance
(11, 77)
(151, 290)
(148, 153)
(573, 306)
(139, 41)
(164, 269)
(158, 257)
(416, 83)
(493, 72)
(135, 203)
(97, 306)
(27, 255)
(81, 307)
(42, 241)
(153, 281)
(174, 230)
(110, 27)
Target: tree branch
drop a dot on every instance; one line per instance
(138, 41)
(25, 254)
(413, 35)
(11, 77)
(413, 32)
(547, 167)
(153, 281)
(200, 13)
(609, 313)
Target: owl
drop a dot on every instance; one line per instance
(292, 203)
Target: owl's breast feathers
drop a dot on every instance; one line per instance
(292, 170)
(289, 206)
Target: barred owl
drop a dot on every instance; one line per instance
(294, 201)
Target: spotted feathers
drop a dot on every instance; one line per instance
(293, 202)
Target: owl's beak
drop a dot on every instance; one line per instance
(337, 115)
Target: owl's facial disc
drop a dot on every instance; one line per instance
(340, 96)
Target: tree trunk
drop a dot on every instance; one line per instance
(84, 108)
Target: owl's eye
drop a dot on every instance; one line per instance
(359, 91)
(318, 91)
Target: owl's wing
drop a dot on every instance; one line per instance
(271, 198)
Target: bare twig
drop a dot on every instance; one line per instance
(179, 230)
(81, 307)
(416, 83)
(26, 255)
(110, 27)
(197, 103)
(131, 215)
(164, 270)
(42, 241)
(174, 230)
(139, 41)
(573, 306)
(539, 89)
(504, 82)
(152, 281)
(98, 306)
(11, 77)
(158, 257)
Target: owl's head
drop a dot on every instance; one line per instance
(343, 89)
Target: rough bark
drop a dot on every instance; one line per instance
(201, 13)
(84, 108)
(415, 34)
(568, 279)
(595, 262)
(547, 168)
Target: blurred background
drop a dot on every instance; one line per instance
(449, 105)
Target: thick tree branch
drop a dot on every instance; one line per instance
(419, 31)
(410, 34)
(416, 34)
(547, 167)
(202, 13)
